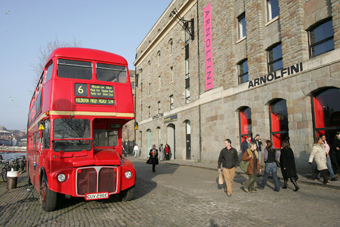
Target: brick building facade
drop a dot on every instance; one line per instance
(275, 71)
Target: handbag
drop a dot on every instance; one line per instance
(220, 178)
(277, 163)
(244, 166)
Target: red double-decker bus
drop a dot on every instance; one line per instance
(75, 121)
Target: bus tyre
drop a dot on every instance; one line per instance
(127, 194)
(48, 198)
(4, 174)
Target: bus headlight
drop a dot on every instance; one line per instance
(128, 174)
(61, 177)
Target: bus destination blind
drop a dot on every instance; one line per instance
(101, 91)
(95, 101)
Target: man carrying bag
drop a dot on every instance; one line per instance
(229, 159)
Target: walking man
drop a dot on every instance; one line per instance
(245, 144)
(135, 150)
(258, 144)
(229, 159)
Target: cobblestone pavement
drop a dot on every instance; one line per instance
(178, 196)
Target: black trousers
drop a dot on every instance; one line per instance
(324, 175)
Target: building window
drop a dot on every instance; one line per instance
(149, 107)
(133, 85)
(171, 46)
(245, 123)
(171, 102)
(149, 88)
(159, 107)
(243, 72)
(241, 26)
(278, 122)
(326, 112)
(149, 66)
(159, 136)
(275, 58)
(172, 73)
(159, 82)
(159, 58)
(272, 9)
(187, 68)
(321, 39)
(140, 76)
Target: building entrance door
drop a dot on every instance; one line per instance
(171, 140)
(188, 140)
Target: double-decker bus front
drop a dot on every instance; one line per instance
(85, 99)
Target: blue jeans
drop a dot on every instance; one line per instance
(329, 166)
(270, 167)
(259, 152)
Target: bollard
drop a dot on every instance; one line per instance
(12, 179)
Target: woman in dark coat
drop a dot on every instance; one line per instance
(288, 168)
(153, 159)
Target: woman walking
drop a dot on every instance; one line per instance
(254, 167)
(318, 152)
(153, 159)
(287, 162)
(270, 157)
(328, 159)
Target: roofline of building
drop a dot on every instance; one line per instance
(169, 25)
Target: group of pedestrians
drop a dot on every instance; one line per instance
(164, 153)
(251, 154)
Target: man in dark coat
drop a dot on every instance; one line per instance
(245, 144)
(229, 159)
(336, 151)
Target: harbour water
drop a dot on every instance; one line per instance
(9, 156)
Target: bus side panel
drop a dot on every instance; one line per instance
(46, 104)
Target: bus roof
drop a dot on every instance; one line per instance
(89, 54)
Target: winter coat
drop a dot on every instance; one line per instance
(287, 161)
(319, 153)
(153, 159)
(228, 158)
(248, 156)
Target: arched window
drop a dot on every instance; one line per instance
(278, 122)
(171, 46)
(326, 112)
(245, 123)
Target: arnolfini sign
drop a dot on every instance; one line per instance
(208, 48)
(276, 75)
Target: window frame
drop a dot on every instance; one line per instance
(310, 45)
(239, 65)
(269, 63)
(241, 27)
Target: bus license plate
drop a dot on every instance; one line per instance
(95, 196)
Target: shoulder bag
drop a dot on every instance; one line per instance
(244, 166)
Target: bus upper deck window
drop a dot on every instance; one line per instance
(111, 73)
(74, 69)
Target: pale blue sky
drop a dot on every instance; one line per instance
(116, 26)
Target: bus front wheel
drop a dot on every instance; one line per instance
(127, 194)
(48, 198)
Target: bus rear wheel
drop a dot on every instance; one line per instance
(48, 198)
(127, 194)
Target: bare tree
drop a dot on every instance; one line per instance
(44, 53)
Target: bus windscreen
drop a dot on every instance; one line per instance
(111, 73)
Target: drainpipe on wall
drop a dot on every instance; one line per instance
(199, 84)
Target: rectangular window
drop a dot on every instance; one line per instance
(172, 73)
(149, 88)
(275, 58)
(111, 73)
(149, 107)
(321, 39)
(242, 26)
(159, 107)
(104, 137)
(74, 69)
(243, 72)
(132, 85)
(159, 82)
(272, 9)
(187, 68)
(47, 134)
(49, 72)
(171, 102)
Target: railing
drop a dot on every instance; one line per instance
(12, 148)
